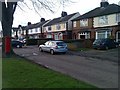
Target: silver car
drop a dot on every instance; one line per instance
(54, 47)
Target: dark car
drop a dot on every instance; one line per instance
(17, 44)
(104, 44)
(23, 41)
(118, 43)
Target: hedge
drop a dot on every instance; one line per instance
(79, 43)
(37, 41)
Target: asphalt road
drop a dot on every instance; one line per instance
(101, 73)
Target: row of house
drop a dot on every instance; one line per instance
(101, 22)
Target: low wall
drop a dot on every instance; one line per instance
(74, 44)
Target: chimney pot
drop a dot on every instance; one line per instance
(42, 19)
(104, 3)
(63, 14)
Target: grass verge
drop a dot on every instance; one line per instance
(20, 73)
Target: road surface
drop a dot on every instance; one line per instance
(101, 73)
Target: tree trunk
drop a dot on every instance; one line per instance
(7, 21)
(6, 26)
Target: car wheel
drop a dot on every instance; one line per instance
(40, 49)
(52, 52)
(116, 46)
(64, 52)
(106, 48)
(18, 46)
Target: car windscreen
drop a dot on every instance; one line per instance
(61, 44)
(99, 40)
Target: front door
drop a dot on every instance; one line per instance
(82, 36)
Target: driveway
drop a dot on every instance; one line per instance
(110, 55)
(101, 73)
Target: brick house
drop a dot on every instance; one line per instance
(83, 27)
(106, 24)
(101, 22)
(60, 28)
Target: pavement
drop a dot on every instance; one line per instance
(109, 55)
(82, 66)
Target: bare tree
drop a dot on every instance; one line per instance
(8, 10)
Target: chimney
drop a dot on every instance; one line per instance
(29, 23)
(19, 26)
(63, 14)
(42, 19)
(119, 3)
(104, 3)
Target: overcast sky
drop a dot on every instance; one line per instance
(81, 6)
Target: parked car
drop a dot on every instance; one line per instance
(23, 41)
(54, 47)
(104, 44)
(16, 43)
(118, 43)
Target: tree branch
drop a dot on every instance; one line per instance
(21, 8)
(14, 7)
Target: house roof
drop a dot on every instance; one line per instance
(15, 28)
(36, 25)
(99, 11)
(60, 19)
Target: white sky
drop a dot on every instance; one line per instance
(81, 6)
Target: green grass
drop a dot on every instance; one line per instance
(20, 73)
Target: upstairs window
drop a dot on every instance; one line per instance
(49, 28)
(64, 25)
(58, 27)
(103, 20)
(19, 31)
(118, 17)
(31, 30)
(84, 23)
(36, 30)
(74, 24)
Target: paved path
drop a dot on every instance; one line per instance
(101, 73)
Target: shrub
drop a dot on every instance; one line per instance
(41, 41)
(72, 46)
(31, 41)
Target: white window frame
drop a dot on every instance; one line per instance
(36, 29)
(74, 23)
(86, 34)
(84, 23)
(49, 28)
(118, 17)
(58, 27)
(103, 20)
(31, 30)
(105, 34)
